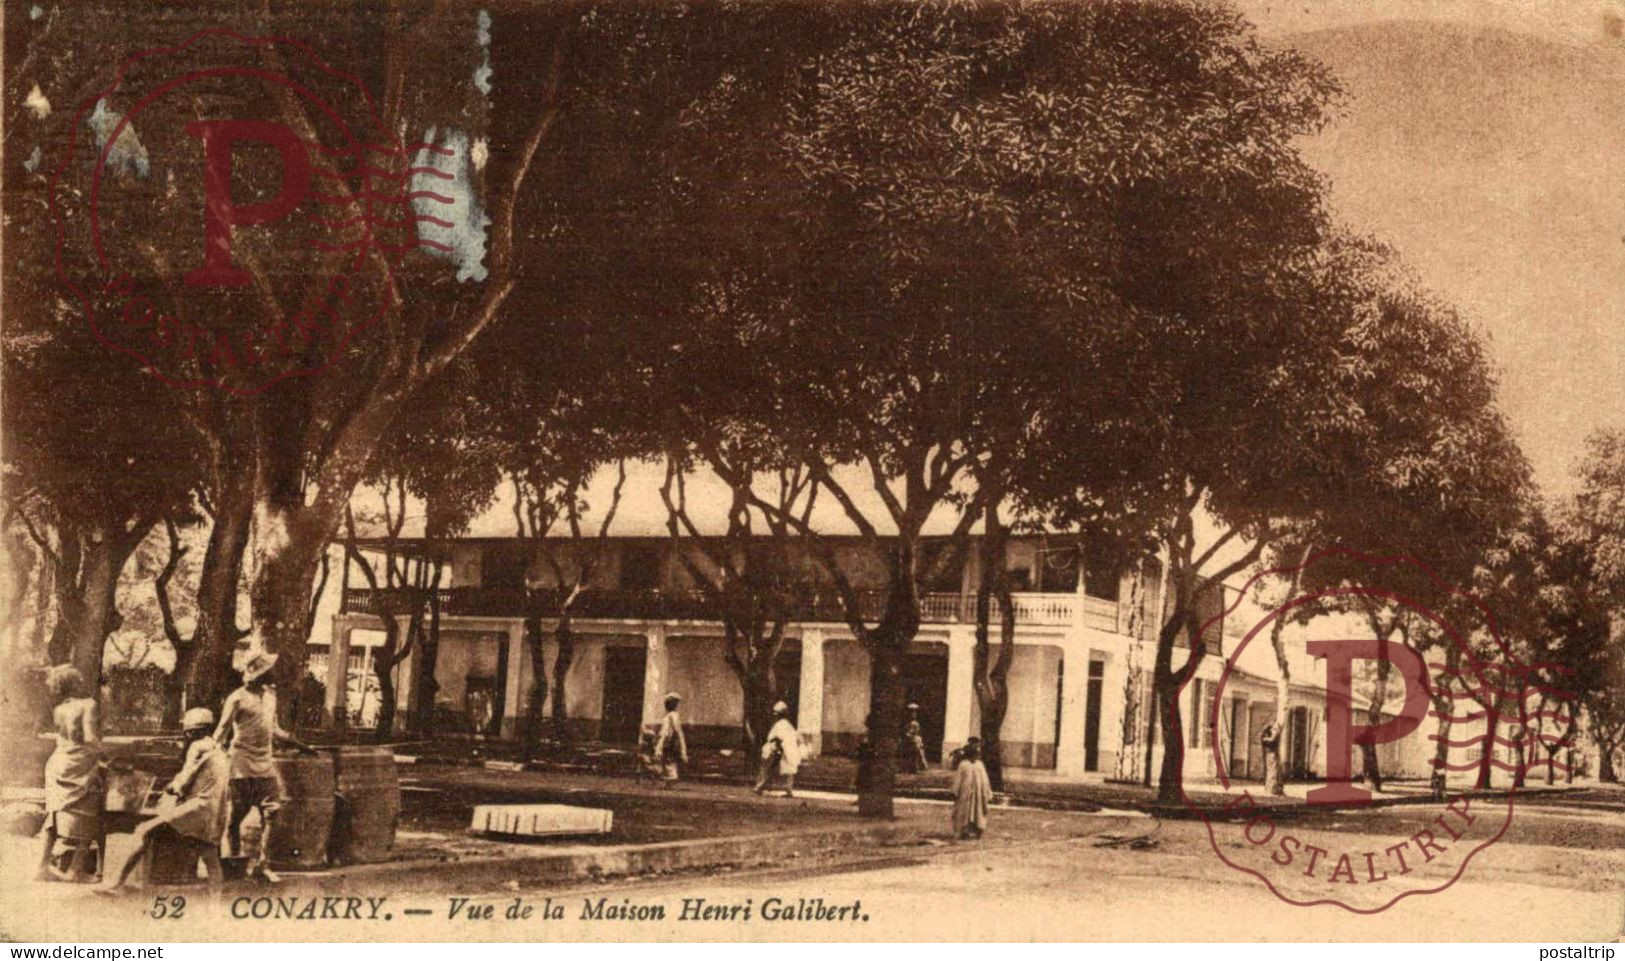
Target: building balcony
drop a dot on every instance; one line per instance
(1034, 609)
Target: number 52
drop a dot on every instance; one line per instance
(171, 908)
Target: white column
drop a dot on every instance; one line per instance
(1112, 702)
(961, 695)
(513, 698)
(655, 675)
(1069, 756)
(810, 710)
(338, 672)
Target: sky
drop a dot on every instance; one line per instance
(1572, 21)
(1485, 139)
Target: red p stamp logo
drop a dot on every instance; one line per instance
(231, 211)
(1433, 714)
(1342, 733)
(221, 213)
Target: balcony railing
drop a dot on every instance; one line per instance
(1031, 609)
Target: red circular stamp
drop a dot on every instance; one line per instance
(230, 210)
(1450, 703)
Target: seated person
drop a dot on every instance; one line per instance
(195, 805)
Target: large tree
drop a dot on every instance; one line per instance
(1426, 469)
(578, 93)
(752, 575)
(92, 462)
(984, 204)
(1593, 522)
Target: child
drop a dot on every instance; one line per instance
(194, 806)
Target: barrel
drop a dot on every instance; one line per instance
(369, 804)
(300, 833)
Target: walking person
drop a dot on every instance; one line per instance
(671, 748)
(249, 729)
(73, 779)
(781, 753)
(973, 793)
(194, 807)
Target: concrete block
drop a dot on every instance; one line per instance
(541, 820)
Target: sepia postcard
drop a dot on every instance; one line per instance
(813, 470)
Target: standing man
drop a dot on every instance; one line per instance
(249, 728)
(671, 748)
(193, 809)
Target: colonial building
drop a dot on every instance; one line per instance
(1079, 680)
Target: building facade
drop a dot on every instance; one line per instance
(1079, 680)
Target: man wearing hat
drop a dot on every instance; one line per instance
(193, 810)
(671, 748)
(249, 728)
(781, 752)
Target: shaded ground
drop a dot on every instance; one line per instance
(832, 773)
(442, 799)
(1558, 876)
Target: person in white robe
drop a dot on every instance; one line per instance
(973, 793)
(781, 753)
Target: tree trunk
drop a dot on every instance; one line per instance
(99, 616)
(566, 640)
(536, 699)
(1167, 682)
(88, 563)
(282, 601)
(1605, 765)
(208, 675)
(44, 591)
(1438, 780)
(299, 509)
(993, 674)
(1153, 724)
(425, 687)
(1373, 717)
(175, 687)
(1171, 777)
(390, 654)
(1274, 781)
(1492, 723)
(383, 668)
(885, 730)
(759, 682)
(992, 727)
(1520, 776)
